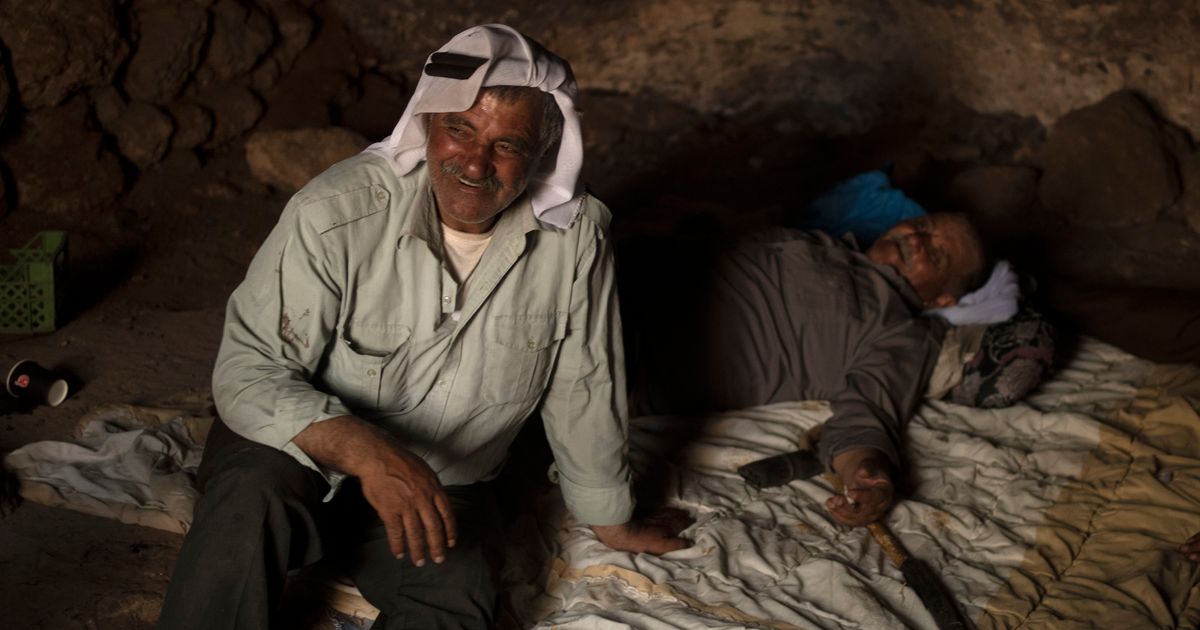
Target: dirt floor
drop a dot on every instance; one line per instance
(147, 290)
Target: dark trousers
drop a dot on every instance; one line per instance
(262, 514)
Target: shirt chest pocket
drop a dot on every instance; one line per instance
(368, 366)
(521, 350)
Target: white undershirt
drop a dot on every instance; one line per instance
(463, 251)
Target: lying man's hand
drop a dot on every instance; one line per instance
(657, 533)
(865, 474)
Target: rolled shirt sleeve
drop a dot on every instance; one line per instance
(277, 325)
(585, 409)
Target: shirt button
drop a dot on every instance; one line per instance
(370, 372)
(441, 382)
(380, 195)
(530, 344)
(445, 299)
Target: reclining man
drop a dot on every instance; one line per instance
(413, 306)
(800, 316)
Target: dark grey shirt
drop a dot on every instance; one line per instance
(788, 316)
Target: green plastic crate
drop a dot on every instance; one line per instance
(32, 291)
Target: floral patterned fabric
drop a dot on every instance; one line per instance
(1013, 358)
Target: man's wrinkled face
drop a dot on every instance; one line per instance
(480, 160)
(934, 253)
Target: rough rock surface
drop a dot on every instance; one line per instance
(375, 113)
(999, 199)
(241, 36)
(6, 200)
(193, 125)
(842, 66)
(288, 159)
(1107, 165)
(234, 109)
(170, 40)
(294, 27)
(60, 165)
(60, 46)
(1187, 207)
(5, 89)
(143, 133)
(107, 104)
(324, 73)
(1162, 255)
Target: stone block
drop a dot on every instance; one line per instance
(170, 38)
(143, 133)
(60, 46)
(1106, 165)
(241, 36)
(997, 198)
(59, 163)
(288, 159)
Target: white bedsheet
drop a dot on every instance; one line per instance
(985, 511)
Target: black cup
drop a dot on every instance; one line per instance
(29, 381)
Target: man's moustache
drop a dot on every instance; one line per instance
(491, 183)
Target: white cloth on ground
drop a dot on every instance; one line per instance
(128, 463)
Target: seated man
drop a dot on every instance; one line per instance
(798, 316)
(413, 306)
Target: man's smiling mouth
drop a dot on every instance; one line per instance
(491, 184)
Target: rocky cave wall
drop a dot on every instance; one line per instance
(1064, 126)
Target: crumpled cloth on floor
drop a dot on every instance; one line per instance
(129, 463)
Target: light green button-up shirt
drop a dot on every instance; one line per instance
(346, 310)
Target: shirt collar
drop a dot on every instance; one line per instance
(422, 221)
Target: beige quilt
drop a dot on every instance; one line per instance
(1061, 512)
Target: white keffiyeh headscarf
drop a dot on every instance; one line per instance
(994, 302)
(486, 56)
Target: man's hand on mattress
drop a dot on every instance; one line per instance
(865, 473)
(657, 533)
(1191, 548)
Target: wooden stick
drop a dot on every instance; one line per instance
(890, 545)
(917, 574)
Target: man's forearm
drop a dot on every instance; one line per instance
(346, 444)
